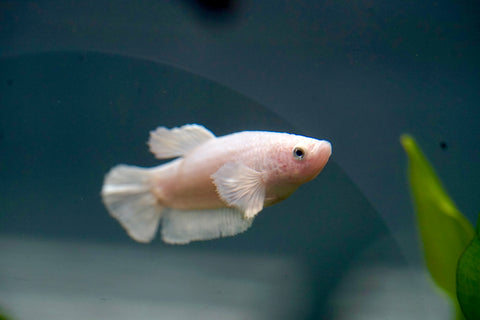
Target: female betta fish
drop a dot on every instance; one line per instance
(216, 185)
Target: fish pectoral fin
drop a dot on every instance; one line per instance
(167, 143)
(241, 187)
(184, 226)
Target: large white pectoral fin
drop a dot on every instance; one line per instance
(184, 226)
(167, 143)
(241, 187)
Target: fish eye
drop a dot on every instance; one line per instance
(298, 153)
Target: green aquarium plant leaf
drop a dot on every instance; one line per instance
(468, 278)
(444, 231)
(4, 317)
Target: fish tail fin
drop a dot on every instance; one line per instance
(128, 196)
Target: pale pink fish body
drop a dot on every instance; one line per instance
(216, 186)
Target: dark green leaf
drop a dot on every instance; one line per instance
(468, 278)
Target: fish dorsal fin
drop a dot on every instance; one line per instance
(240, 186)
(184, 226)
(167, 143)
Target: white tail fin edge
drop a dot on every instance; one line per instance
(127, 194)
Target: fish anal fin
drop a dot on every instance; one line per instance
(167, 143)
(184, 226)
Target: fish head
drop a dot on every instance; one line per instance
(296, 160)
(305, 158)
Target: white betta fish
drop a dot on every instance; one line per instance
(215, 187)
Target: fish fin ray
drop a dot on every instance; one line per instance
(240, 186)
(126, 193)
(167, 143)
(184, 226)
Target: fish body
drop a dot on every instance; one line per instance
(216, 185)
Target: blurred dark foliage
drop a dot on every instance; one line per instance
(216, 5)
(215, 11)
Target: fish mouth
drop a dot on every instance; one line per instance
(322, 152)
(323, 149)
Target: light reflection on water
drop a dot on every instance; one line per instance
(48, 279)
